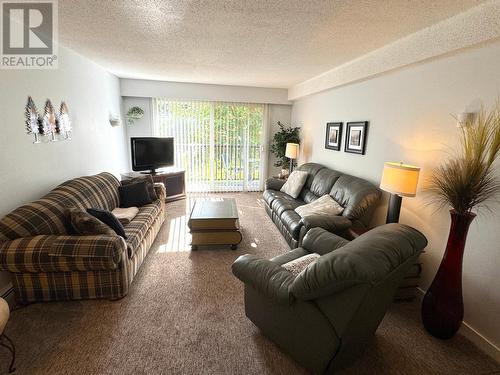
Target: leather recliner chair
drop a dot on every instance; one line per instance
(324, 317)
(358, 197)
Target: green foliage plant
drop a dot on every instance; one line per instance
(286, 134)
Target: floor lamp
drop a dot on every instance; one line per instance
(401, 181)
(292, 152)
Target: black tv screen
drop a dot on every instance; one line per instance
(150, 153)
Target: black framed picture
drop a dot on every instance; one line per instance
(333, 137)
(355, 139)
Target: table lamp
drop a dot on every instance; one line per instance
(401, 181)
(292, 152)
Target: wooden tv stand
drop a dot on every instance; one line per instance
(172, 178)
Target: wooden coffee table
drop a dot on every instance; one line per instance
(214, 221)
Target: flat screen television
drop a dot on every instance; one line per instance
(150, 153)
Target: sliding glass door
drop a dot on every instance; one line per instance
(219, 144)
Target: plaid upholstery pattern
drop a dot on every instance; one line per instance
(61, 253)
(137, 228)
(48, 215)
(46, 264)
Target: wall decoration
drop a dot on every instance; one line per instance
(49, 121)
(64, 121)
(52, 124)
(134, 113)
(333, 137)
(32, 123)
(355, 139)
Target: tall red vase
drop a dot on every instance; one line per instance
(443, 307)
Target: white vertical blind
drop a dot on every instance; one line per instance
(219, 144)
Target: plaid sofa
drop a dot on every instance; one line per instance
(48, 264)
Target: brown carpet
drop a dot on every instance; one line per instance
(184, 315)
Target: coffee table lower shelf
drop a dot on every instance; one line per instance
(215, 237)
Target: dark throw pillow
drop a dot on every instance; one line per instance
(150, 184)
(134, 195)
(109, 219)
(84, 224)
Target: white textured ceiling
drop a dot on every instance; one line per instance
(273, 43)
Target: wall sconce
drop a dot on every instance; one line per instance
(114, 120)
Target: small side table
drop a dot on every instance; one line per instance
(4, 340)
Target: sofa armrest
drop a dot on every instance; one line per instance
(274, 183)
(267, 277)
(49, 253)
(333, 224)
(161, 191)
(319, 240)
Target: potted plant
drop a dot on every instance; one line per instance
(466, 182)
(286, 134)
(134, 113)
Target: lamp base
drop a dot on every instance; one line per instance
(394, 209)
(291, 165)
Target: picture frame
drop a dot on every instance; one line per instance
(355, 137)
(333, 137)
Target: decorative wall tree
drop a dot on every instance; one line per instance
(49, 121)
(32, 123)
(64, 121)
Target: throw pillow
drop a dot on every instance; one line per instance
(298, 265)
(109, 219)
(324, 205)
(294, 184)
(125, 215)
(134, 195)
(150, 184)
(85, 224)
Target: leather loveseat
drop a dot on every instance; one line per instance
(358, 197)
(324, 317)
(46, 263)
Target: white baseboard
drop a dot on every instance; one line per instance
(479, 340)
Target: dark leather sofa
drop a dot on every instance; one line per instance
(324, 317)
(358, 197)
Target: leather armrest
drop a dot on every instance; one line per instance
(267, 277)
(330, 223)
(274, 183)
(319, 240)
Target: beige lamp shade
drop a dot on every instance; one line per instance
(400, 179)
(292, 150)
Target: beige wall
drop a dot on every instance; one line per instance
(410, 113)
(28, 171)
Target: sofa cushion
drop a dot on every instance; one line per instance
(285, 203)
(323, 181)
(294, 184)
(109, 219)
(150, 184)
(291, 221)
(312, 169)
(134, 195)
(85, 224)
(137, 228)
(270, 195)
(356, 195)
(324, 205)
